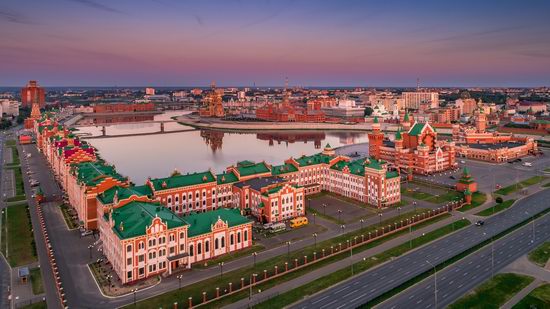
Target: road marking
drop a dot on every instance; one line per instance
(411, 297)
(451, 282)
(326, 305)
(356, 298)
(347, 287)
(320, 299)
(419, 301)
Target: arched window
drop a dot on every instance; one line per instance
(238, 237)
(216, 244)
(191, 252)
(169, 199)
(245, 235)
(223, 241)
(206, 246)
(199, 248)
(177, 198)
(232, 239)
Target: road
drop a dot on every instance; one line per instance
(5, 270)
(369, 285)
(461, 277)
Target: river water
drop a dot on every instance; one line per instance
(158, 155)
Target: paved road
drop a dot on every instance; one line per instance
(369, 285)
(4, 267)
(458, 279)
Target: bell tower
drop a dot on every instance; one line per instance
(375, 139)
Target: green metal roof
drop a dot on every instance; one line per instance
(416, 129)
(123, 193)
(283, 169)
(406, 118)
(398, 134)
(392, 174)
(137, 216)
(226, 177)
(183, 180)
(375, 164)
(356, 167)
(375, 119)
(201, 223)
(92, 173)
(313, 159)
(247, 168)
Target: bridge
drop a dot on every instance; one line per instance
(104, 127)
(162, 122)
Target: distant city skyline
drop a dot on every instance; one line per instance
(167, 43)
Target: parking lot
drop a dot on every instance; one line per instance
(340, 209)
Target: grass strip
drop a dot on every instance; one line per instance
(493, 293)
(195, 290)
(71, 224)
(541, 254)
(448, 262)
(538, 298)
(496, 208)
(478, 199)
(38, 305)
(324, 216)
(322, 283)
(19, 237)
(36, 281)
(16, 198)
(230, 257)
(520, 185)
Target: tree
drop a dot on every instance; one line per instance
(499, 200)
(368, 111)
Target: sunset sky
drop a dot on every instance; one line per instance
(237, 43)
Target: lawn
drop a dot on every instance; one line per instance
(38, 305)
(325, 216)
(546, 185)
(10, 143)
(520, 185)
(539, 298)
(208, 285)
(16, 198)
(496, 208)
(299, 293)
(449, 195)
(541, 254)
(36, 280)
(493, 293)
(478, 198)
(21, 250)
(230, 256)
(71, 224)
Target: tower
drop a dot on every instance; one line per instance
(31, 93)
(375, 139)
(406, 123)
(481, 121)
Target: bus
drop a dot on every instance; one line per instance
(297, 222)
(277, 227)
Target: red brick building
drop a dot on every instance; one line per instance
(32, 92)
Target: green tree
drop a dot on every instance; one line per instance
(499, 200)
(368, 111)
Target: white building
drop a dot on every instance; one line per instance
(414, 99)
(9, 107)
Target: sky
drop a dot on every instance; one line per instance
(241, 43)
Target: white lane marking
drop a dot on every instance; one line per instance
(340, 290)
(320, 299)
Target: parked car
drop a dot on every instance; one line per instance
(452, 177)
(480, 223)
(86, 233)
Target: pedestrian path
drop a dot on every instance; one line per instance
(519, 296)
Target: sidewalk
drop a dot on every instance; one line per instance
(519, 296)
(22, 292)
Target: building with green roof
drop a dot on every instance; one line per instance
(184, 180)
(201, 223)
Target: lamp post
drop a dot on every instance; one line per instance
(435, 282)
(90, 248)
(134, 292)
(399, 211)
(414, 205)
(342, 227)
(339, 215)
(324, 209)
(221, 269)
(254, 254)
(179, 279)
(109, 277)
(314, 215)
(380, 218)
(288, 249)
(315, 239)
(362, 221)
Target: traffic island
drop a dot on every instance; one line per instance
(109, 282)
(540, 255)
(538, 298)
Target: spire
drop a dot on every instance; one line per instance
(398, 134)
(375, 119)
(406, 118)
(465, 171)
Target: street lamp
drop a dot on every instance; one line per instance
(134, 292)
(362, 221)
(179, 279)
(324, 209)
(435, 282)
(339, 215)
(399, 211)
(380, 218)
(342, 227)
(288, 249)
(254, 254)
(221, 269)
(314, 215)
(90, 248)
(109, 277)
(315, 239)
(414, 205)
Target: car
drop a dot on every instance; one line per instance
(463, 162)
(452, 177)
(86, 233)
(480, 223)
(35, 183)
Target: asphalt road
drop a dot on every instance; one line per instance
(369, 285)
(461, 277)
(4, 267)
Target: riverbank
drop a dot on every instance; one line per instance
(217, 124)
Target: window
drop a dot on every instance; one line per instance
(232, 239)
(216, 244)
(191, 252)
(199, 248)
(182, 248)
(245, 235)
(141, 271)
(129, 261)
(238, 237)
(141, 258)
(129, 275)
(141, 245)
(203, 193)
(182, 235)
(223, 241)
(177, 198)
(129, 248)
(169, 200)
(172, 250)
(206, 246)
